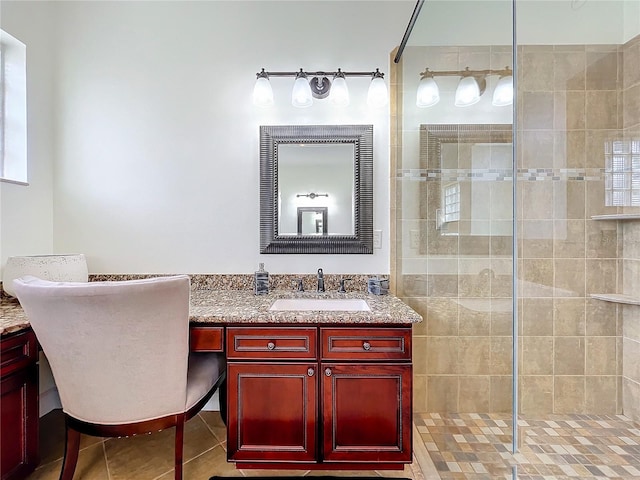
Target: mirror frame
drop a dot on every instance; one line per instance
(361, 136)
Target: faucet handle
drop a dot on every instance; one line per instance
(342, 289)
(299, 284)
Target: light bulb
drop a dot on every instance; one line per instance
(503, 94)
(378, 95)
(262, 92)
(468, 92)
(301, 93)
(428, 92)
(339, 95)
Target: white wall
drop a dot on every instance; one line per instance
(157, 160)
(26, 212)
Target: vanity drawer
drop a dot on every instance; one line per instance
(206, 339)
(366, 343)
(282, 343)
(17, 351)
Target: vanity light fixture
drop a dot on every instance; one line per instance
(310, 85)
(312, 195)
(470, 88)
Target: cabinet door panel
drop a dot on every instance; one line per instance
(272, 412)
(366, 413)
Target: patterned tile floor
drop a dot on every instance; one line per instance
(478, 446)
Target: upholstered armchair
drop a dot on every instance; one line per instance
(119, 353)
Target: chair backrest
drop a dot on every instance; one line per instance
(118, 350)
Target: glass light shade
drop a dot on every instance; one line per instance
(301, 94)
(339, 95)
(378, 95)
(428, 93)
(262, 92)
(467, 93)
(503, 94)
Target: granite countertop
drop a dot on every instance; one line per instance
(243, 306)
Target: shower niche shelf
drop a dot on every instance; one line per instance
(617, 298)
(617, 216)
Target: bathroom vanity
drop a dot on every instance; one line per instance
(314, 386)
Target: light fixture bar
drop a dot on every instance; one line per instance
(320, 73)
(466, 72)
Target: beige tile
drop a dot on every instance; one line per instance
(473, 323)
(569, 276)
(537, 76)
(537, 356)
(537, 110)
(630, 356)
(575, 194)
(601, 239)
(419, 393)
(569, 238)
(602, 70)
(211, 462)
(213, 421)
(569, 70)
(568, 394)
(631, 65)
(537, 316)
(595, 143)
(631, 399)
(569, 356)
(602, 109)
(538, 272)
(569, 316)
(442, 394)
(536, 395)
(501, 323)
(537, 200)
(474, 355)
(537, 149)
(631, 323)
(419, 355)
(601, 317)
(501, 355)
(474, 393)
(442, 355)
(599, 395)
(601, 275)
(91, 465)
(631, 104)
(442, 317)
(149, 456)
(501, 394)
(601, 356)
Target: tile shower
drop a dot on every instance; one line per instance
(577, 354)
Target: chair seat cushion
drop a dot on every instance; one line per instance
(205, 370)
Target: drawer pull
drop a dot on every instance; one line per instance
(366, 346)
(271, 345)
(327, 372)
(310, 371)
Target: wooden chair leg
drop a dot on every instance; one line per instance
(179, 446)
(71, 449)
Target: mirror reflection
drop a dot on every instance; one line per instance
(316, 177)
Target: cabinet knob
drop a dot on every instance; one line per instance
(366, 346)
(327, 372)
(310, 371)
(271, 345)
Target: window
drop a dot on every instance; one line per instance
(622, 173)
(451, 201)
(13, 109)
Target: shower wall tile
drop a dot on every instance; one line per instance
(569, 316)
(420, 393)
(442, 317)
(537, 149)
(569, 108)
(569, 277)
(601, 239)
(442, 394)
(473, 323)
(631, 323)
(569, 356)
(602, 275)
(569, 69)
(575, 193)
(569, 394)
(631, 110)
(537, 356)
(602, 109)
(537, 200)
(537, 110)
(537, 316)
(442, 355)
(602, 71)
(536, 74)
(601, 318)
(474, 394)
(537, 271)
(419, 355)
(501, 355)
(599, 394)
(474, 354)
(536, 394)
(501, 395)
(631, 62)
(569, 238)
(631, 398)
(630, 356)
(601, 356)
(575, 155)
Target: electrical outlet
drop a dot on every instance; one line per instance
(414, 239)
(377, 239)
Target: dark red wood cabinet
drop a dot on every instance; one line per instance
(319, 397)
(18, 405)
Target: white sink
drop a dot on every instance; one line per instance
(321, 304)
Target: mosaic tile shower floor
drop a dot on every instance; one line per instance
(478, 446)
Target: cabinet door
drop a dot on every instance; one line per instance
(272, 412)
(366, 412)
(19, 433)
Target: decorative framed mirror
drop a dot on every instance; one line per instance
(316, 189)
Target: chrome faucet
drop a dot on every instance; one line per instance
(320, 280)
